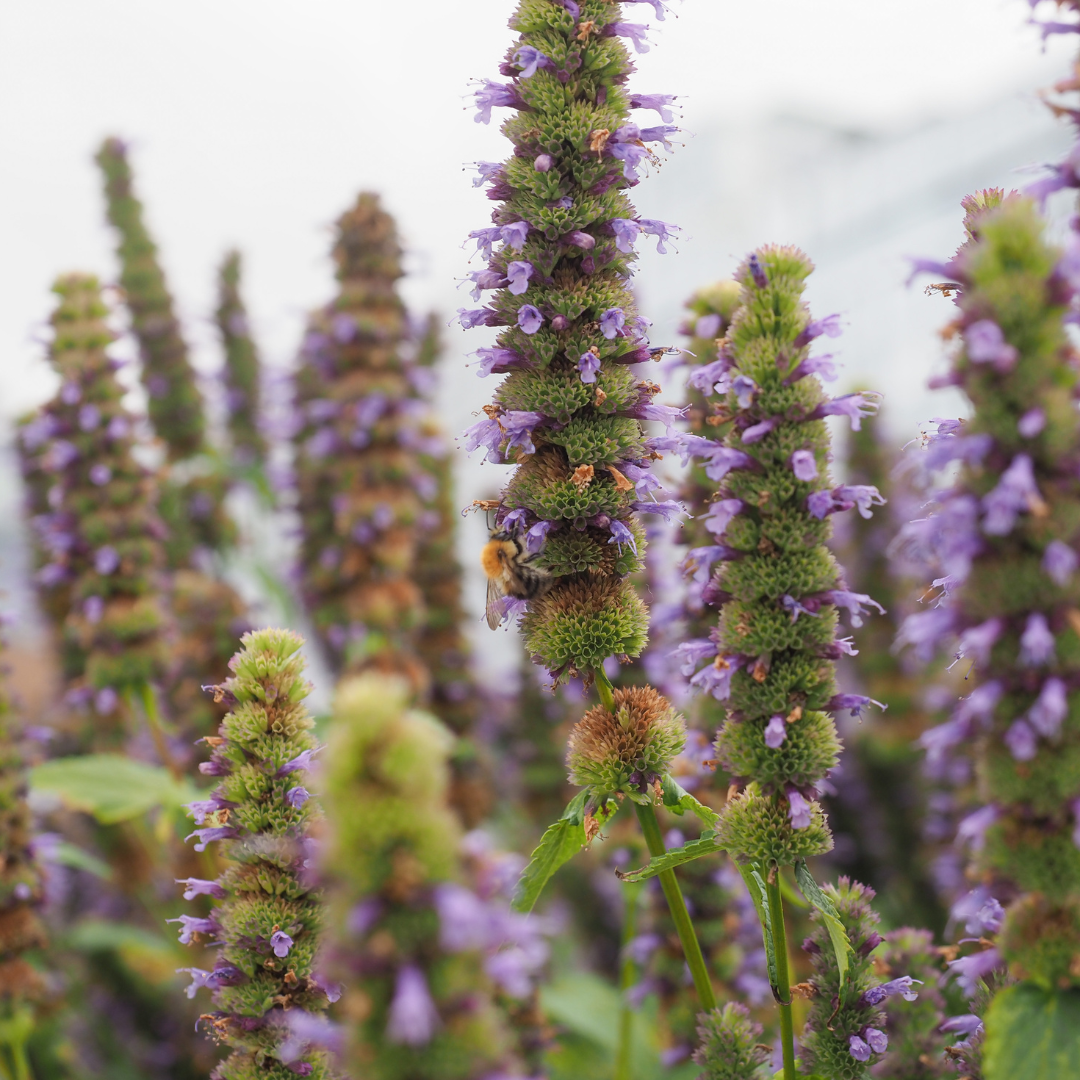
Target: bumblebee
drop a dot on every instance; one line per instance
(510, 572)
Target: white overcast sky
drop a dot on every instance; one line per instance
(255, 123)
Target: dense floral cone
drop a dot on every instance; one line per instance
(101, 530)
(175, 404)
(570, 411)
(420, 955)
(241, 376)
(729, 1045)
(1001, 545)
(358, 463)
(268, 913)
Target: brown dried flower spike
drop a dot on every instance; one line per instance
(627, 751)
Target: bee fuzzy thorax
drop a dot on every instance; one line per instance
(497, 554)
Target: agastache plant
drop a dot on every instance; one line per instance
(267, 913)
(241, 372)
(418, 953)
(358, 468)
(771, 657)
(558, 257)
(24, 982)
(101, 529)
(1003, 540)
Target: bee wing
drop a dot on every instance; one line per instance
(494, 605)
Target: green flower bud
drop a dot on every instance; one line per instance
(728, 1045)
(759, 828)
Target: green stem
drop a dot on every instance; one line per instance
(627, 977)
(22, 1062)
(157, 733)
(650, 827)
(605, 690)
(782, 990)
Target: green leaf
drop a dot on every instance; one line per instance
(1032, 1034)
(68, 854)
(837, 935)
(110, 787)
(705, 844)
(560, 843)
(756, 884)
(678, 801)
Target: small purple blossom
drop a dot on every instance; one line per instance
(198, 980)
(758, 274)
(878, 1040)
(720, 513)
(986, 344)
(698, 561)
(715, 678)
(857, 703)
(661, 230)
(1031, 423)
(281, 943)
(1059, 561)
(903, 987)
(1036, 642)
(530, 59)
(708, 326)
(529, 318)
(626, 232)
(493, 95)
(100, 474)
(518, 273)
(611, 322)
(297, 796)
(690, 653)
(829, 326)
(1015, 492)
(744, 389)
(413, 1018)
(804, 466)
(475, 317)
(856, 407)
(635, 32)
(757, 432)
(798, 810)
(795, 609)
(1050, 708)
(620, 535)
(972, 829)
(106, 560)
(190, 926)
(535, 537)
(775, 731)
(588, 364)
(200, 887)
(494, 359)
(979, 640)
(967, 1025)
(970, 970)
(658, 103)
(209, 835)
(859, 1048)
(301, 761)
(856, 604)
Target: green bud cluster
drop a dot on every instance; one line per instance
(102, 585)
(728, 1045)
(1016, 608)
(175, 404)
(357, 458)
(269, 913)
(779, 583)
(242, 396)
(569, 412)
(392, 842)
(838, 1011)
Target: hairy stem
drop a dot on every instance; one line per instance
(627, 975)
(605, 690)
(782, 990)
(650, 827)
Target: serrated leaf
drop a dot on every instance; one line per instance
(560, 843)
(110, 787)
(837, 934)
(678, 800)
(755, 883)
(1032, 1034)
(704, 845)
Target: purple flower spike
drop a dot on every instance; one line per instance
(529, 318)
(775, 732)
(986, 344)
(518, 274)
(611, 323)
(588, 365)
(1059, 561)
(1036, 642)
(804, 466)
(413, 1018)
(798, 810)
(761, 280)
(281, 943)
(859, 1048)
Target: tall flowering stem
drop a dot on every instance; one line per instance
(241, 374)
(101, 530)
(1003, 538)
(175, 404)
(268, 911)
(772, 655)
(23, 985)
(358, 467)
(421, 955)
(558, 258)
